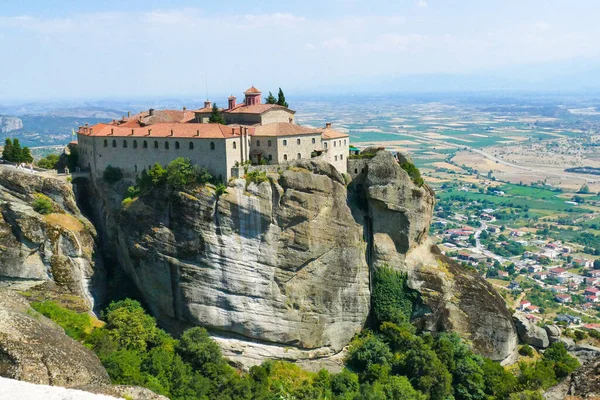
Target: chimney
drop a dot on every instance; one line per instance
(128, 114)
(328, 125)
(246, 131)
(151, 111)
(132, 132)
(171, 132)
(231, 104)
(86, 125)
(112, 131)
(184, 108)
(198, 132)
(149, 132)
(233, 131)
(90, 131)
(241, 131)
(207, 104)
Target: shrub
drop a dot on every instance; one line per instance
(129, 325)
(76, 325)
(180, 173)
(112, 174)
(367, 349)
(42, 204)
(526, 350)
(256, 176)
(220, 189)
(127, 202)
(49, 162)
(413, 172)
(392, 299)
(197, 348)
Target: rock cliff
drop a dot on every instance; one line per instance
(9, 124)
(57, 247)
(281, 268)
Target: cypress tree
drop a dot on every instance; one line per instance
(215, 116)
(7, 151)
(271, 99)
(16, 151)
(26, 155)
(281, 98)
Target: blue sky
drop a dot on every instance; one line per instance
(116, 49)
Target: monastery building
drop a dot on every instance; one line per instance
(255, 132)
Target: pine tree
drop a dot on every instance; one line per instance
(271, 99)
(281, 98)
(26, 155)
(215, 116)
(16, 151)
(8, 148)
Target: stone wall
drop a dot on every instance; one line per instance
(288, 147)
(356, 166)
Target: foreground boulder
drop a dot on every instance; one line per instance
(530, 333)
(581, 384)
(553, 332)
(36, 350)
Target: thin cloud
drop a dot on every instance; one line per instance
(421, 3)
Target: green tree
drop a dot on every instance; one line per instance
(17, 152)
(157, 175)
(499, 383)
(198, 349)
(129, 325)
(345, 383)
(584, 189)
(562, 362)
(597, 264)
(367, 349)
(271, 99)
(216, 117)
(180, 173)
(48, 162)
(281, 98)
(7, 151)
(26, 155)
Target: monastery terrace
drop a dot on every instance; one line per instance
(255, 132)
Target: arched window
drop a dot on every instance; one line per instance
(341, 156)
(325, 144)
(167, 145)
(258, 143)
(284, 142)
(285, 156)
(135, 145)
(177, 145)
(212, 145)
(299, 156)
(344, 142)
(124, 144)
(145, 144)
(297, 141)
(234, 145)
(156, 144)
(269, 143)
(334, 143)
(135, 168)
(270, 157)
(356, 170)
(191, 146)
(335, 158)
(114, 143)
(105, 143)
(313, 141)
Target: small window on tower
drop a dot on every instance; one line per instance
(234, 145)
(212, 145)
(269, 143)
(299, 156)
(114, 143)
(313, 141)
(285, 156)
(145, 144)
(105, 143)
(156, 144)
(284, 142)
(177, 145)
(258, 143)
(125, 144)
(191, 146)
(167, 145)
(135, 146)
(297, 141)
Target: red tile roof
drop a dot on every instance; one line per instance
(256, 109)
(163, 130)
(329, 133)
(144, 117)
(284, 129)
(252, 90)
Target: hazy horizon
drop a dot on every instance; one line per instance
(65, 49)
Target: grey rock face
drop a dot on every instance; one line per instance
(581, 384)
(396, 215)
(9, 124)
(553, 332)
(281, 263)
(58, 247)
(34, 349)
(530, 333)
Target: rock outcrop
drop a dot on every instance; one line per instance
(58, 247)
(396, 214)
(9, 124)
(581, 384)
(553, 333)
(280, 268)
(36, 350)
(530, 333)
